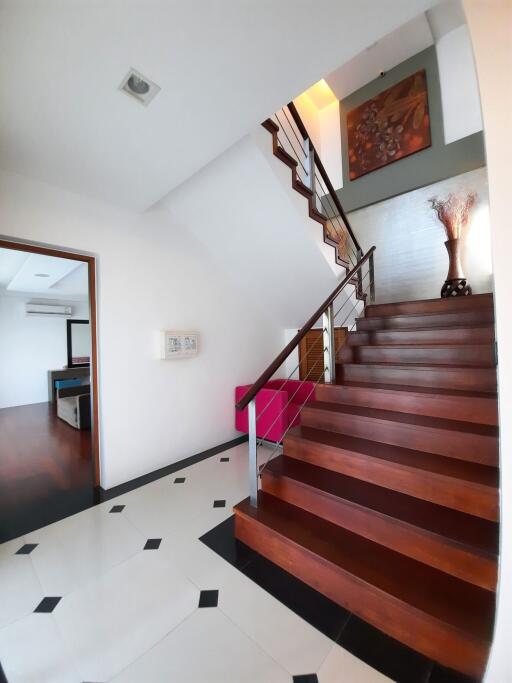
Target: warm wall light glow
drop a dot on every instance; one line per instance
(478, 241)
(320, 94)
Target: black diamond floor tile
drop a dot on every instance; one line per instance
(209, 598)
(152, 544)
(306, 678)
(440, 674)
(387, 655)
(117, 508)
(26, 549)
(47, 605)
(224, 459)
(221, 539)
(219, 503)
(179, 480)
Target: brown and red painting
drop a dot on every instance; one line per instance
(389, 127)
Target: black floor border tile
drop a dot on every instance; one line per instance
(324, 614)
(441, 674)
(108, 494)
(382, 652)
(395, 660)
(221, 539)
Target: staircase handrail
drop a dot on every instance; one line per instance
(279, 360)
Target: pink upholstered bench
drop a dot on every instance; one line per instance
(281, 413)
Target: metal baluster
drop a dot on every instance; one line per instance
(359, 273)
(253, 454)
(310, 164)
(329, 360)
(372, 279)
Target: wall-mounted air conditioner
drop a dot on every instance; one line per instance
(40, 310)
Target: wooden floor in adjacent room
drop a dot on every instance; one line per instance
(45, 469)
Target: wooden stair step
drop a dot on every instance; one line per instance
(482, 379)
(456, 484)
(306, 192)
(450, 438)
(427, 320)
(477, 334)
(451, 541)
(271, 126)
(302, 189)
(446, 619)
(434, 354)
(476, 301)
(467, 406)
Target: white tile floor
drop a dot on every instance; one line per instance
(131, 615)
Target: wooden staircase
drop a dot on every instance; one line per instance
(386, 496)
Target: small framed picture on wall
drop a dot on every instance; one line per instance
(179, 344)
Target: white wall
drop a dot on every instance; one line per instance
(490, 25)
(323, 125)
(152, 275)
(256, 228)
(459, 87)
(308, 112)
(330, 143)
(29, 347)
(411, 261)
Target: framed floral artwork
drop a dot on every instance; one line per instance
(390, 126)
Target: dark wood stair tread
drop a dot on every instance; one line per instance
(434, 314)
(467, 608)
(456, 393)
(421, 366)
(478, 534)
(429, 462)
(438, 320)
(479, 378)
(437, 328)
(424, 345)
(406, 418)
(476, 301)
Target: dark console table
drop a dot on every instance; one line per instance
(64, 373)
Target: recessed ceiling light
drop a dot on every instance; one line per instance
(139, 87)
(41, 275)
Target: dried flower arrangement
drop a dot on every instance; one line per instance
(453, 212)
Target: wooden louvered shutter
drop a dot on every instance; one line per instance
(311, 353)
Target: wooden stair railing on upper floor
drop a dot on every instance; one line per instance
(385, 497)
(292, 144)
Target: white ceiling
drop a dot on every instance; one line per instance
(223, 66)
(383, 55)
(20, 274)
(395, 47)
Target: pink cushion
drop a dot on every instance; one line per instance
(275, 412)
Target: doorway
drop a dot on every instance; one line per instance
(49, 432)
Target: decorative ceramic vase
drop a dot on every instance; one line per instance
(456, 283)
